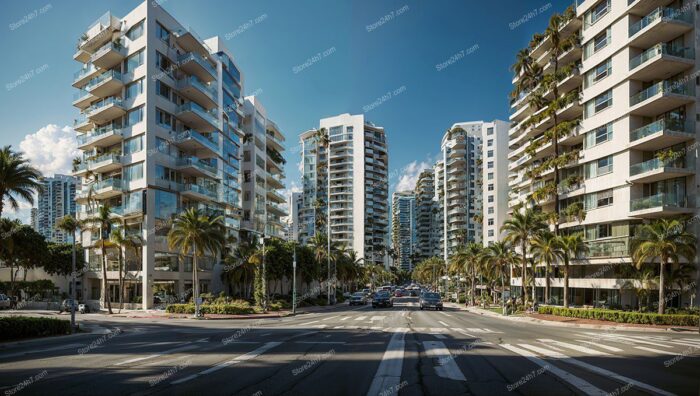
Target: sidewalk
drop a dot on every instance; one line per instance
(551, 320)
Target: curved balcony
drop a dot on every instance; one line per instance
(655, 170)
(662, 96)
(106, 84)
(96, 35)
(193, 166)
(661, 25)
(193, 140)
(194, 64)
(198, 117)
(82, 99)
(659, 205)
(189, 40)
(109, 55)
(194, 89)
(662, 133)
(105, 110)
(100, 137)
(108, 188)
(200, 193)
(105, 163)
(85, 74)
(661, 61)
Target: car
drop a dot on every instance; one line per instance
(382, 299)
(5, 302)
(415, 292)
(431, 300)
(66, 305)
(399, 293)
(83, 308)
(367, 292)
(358, 298)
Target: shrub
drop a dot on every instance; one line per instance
(225, 309)
(622, 316)
(14, 327)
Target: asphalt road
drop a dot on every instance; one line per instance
(353, 351)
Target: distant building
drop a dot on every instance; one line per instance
(55, 201)
(403, 228)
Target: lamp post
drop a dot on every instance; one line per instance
(294, 280)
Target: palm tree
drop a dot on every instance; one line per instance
(196, 233)
(666, 240)
(642, 282)
(546, 249)
(101, 222)
(70, 225)
(18, 179)
(572, 247)
(323, 140)
(123, 242)
(468, 258)
(519, 230)
(496, 258)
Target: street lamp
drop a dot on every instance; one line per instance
(294, 280)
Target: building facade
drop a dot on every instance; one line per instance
(56, 200)
(403, 228)
(356, 158)
(494, 179)
(160, 132)
(295, 204)
(427, 226)
(263, 173)
(630, 88)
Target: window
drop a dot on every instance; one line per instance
(490, 210)
(595, 13)
(161, 32)
(134, 116)
(133, 89)
(490, 187)
(162, 62)
(163, 90)
(490, 165)
(133, 145)
(490, 199)
(133, 61)
(489, 154)
(489, 131)
(604, 198)
(490, 176)
(490, 233)
(162, 145)
(604, 230)
(599, 135)
(489, 143)
(165, 119)
(165, 204)
(490, 222)
(598, 73)
(598, 104)
(133, 172)
(135, 32)
(604, 165)
(597, 43)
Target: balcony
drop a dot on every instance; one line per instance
(84, 75)
(659, 205)
(133, 208)
(275, 196)
(662, 96)
(608, 247)
(82, 123)
(190, 41)
(106, 84)
(193, 140)
(194, 64)
(109, 55)
(274, 180)
(108, 188)
(278, 209)
(105, 110)
(662, 133)
(661, 61)
(198, 117)
(195, 167)
(200, 193)
(660, 25)
(96, 35)
(655, 170)
(82, 99)
(100, 137)
(195, 90)
(105, 163)
(641, 7)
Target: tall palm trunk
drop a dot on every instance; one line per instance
(105, 284)
(524, 274)
(546, 282)
(662, 301)
(566, 281)
(195, 280)
(121, 281)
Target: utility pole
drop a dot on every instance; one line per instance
(264, 275)
(73, 294)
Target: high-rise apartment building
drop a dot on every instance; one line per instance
(160, 130)
(56, 200)
(628, 154)
(403, 228)
(357, 161)
(439, 199)
(263, 172)
(494, 179)
(427, 226)
(295, 204)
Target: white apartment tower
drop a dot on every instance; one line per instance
(160, 130)
(494, 179)
(295, 204)
(263, 172)
(55, 201)
(403, 228)
(357, 161)
(427, 227)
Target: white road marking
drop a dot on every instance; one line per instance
(320, 342)
(331, 317)
(626, 340)
(338, 327)
(443, 323)
(606, 347)
(377, 318)
(597, 370)
(660, 352)
(375, 328)
(242, 358)
(446, 368)
(482, 330)
(573, 346)
(388, 373)
(445, 313)
(463, 332)
(437, 332)
(361, 318)
(308, 323)
(174, 350)
(583, 385)
(345, 318)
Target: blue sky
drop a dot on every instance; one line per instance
(368, 57)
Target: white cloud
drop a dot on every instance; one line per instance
(51, 149)
(409, 175)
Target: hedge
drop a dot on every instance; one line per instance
(14, 327)
(622, 316)
(226, 309)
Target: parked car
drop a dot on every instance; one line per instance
(358, 298)
(367, 292)
(83, 308)
(66, 306)
(5, 302)
(382, 299)
(399, 293)
(431, 300)
(415, 292)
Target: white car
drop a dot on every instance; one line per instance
(5, 302)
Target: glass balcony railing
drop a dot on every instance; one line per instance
(117, 184)
(103, 77)
(661, 49)
(197, 163)
(97, 133)
(111, 46)
(658, 200)
(194, 135)
(195, 57)
(131, 207)
(673, 14)
(210, 116)
(662, 87)
(80, 94)
(663, 124)
(196, 188)
(84, 71)
(105, 158)
(608, 247)
(194, 81)
(653, 164)
(81, 119)
(103, 103)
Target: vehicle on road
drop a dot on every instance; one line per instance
(358, 298)
(415, 292)
(431, 300)
(5, 302)
(66, 305)
(382, 299)
(399, 293)
(367, 292)
(83, 308)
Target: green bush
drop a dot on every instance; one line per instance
(14, 327)
(623, 316)
(225, 309)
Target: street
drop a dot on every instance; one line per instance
(353, 351)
